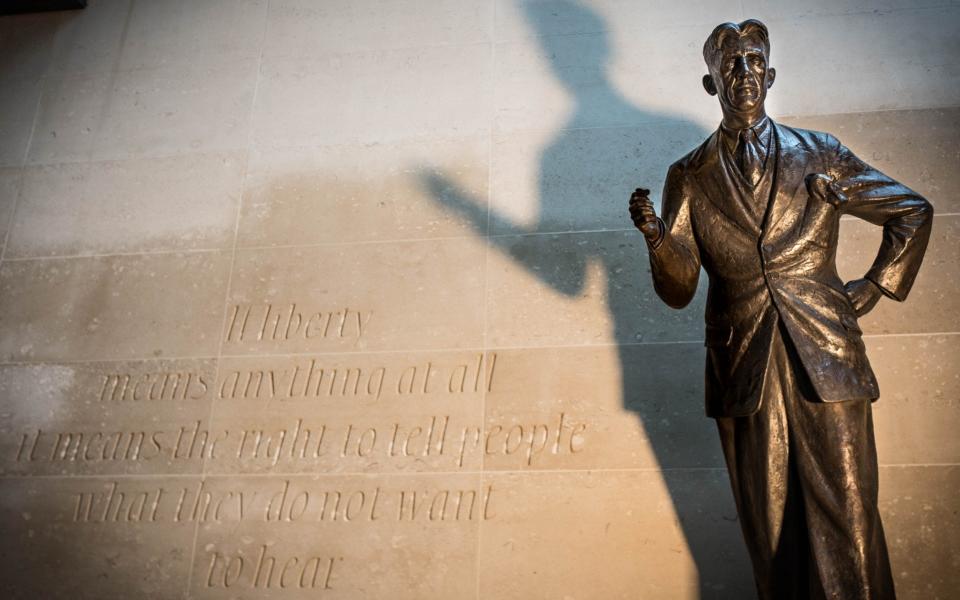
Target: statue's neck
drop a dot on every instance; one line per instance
(738, 121)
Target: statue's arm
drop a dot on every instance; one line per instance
(906, 218)
(674, 256)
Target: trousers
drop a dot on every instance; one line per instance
(804, 478)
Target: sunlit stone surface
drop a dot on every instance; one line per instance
(341, 299)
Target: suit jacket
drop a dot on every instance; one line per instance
(783, 268)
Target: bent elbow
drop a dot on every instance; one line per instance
(675, 297)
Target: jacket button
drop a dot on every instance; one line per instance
(767, 248)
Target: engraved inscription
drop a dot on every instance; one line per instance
(270, 321)
(270, 570)
(164, 385)
(310, 443)
(285, 501)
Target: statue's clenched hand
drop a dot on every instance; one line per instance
(826, 189)
(644, 217)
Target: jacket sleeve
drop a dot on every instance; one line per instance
(906, 218)
(675, 259)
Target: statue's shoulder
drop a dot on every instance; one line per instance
(692, 161)
(811, 140)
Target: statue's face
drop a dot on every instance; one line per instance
(741, 76)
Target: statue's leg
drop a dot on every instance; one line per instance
(767, 490)
(836, 459)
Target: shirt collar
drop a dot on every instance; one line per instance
(761, 130)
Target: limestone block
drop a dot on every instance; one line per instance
(375, 97)
(349, 413)
(304, 29)
(9, 189)
(175, 203)
(104, 418)
(73, 537)
(18, 104)
(364, 193)
(580, 180)
(112, 307)
(599, 407)
(378, 296)
(26, 45)
(576, 81)
(529, 18)
(69, 118)
(88, 41)
(920, 518)
(178, 109)
(931, 306)
(184, 33)
(633, 534)
(582, 288)
(916, 416)
(890, 60)
(410, 537)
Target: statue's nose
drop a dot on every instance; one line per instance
(740, 66)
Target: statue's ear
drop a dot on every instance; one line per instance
(709, 85)
(771, 75)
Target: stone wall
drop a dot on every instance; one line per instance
(340, 299)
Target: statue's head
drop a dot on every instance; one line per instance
(737, 57)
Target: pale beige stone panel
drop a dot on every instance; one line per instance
(9, 189)
(26, 45)
(919, 148)
(104, 418)
(362, 192)
(775, 10)
(155, 112)
(621, 18)
(916, 417)
(583, 288)
(303, 28)
(18, 105)
(919, 510)
(349, 413)
(559, 82)
(93, 538)
(357, 297)
(145, 113)
(932, 305)
(88, 41)
(175, 203)
(376, 97)
(69, 118)
(403, 537)
(603, 407)
(580, 180)
(614, 534)
(112, 307)
(190, 33)
(901, 59)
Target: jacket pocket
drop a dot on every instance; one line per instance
(717, 336)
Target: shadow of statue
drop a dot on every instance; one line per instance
(661, 383)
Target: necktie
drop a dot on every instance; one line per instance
(748, 156)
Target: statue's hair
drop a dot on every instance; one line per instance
(728, 33)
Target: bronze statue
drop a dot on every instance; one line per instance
(757, 205)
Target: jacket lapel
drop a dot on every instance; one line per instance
(717, 179)
(791, 167)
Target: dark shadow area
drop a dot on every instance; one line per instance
(662, 384)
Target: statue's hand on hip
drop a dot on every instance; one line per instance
(864, 295)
